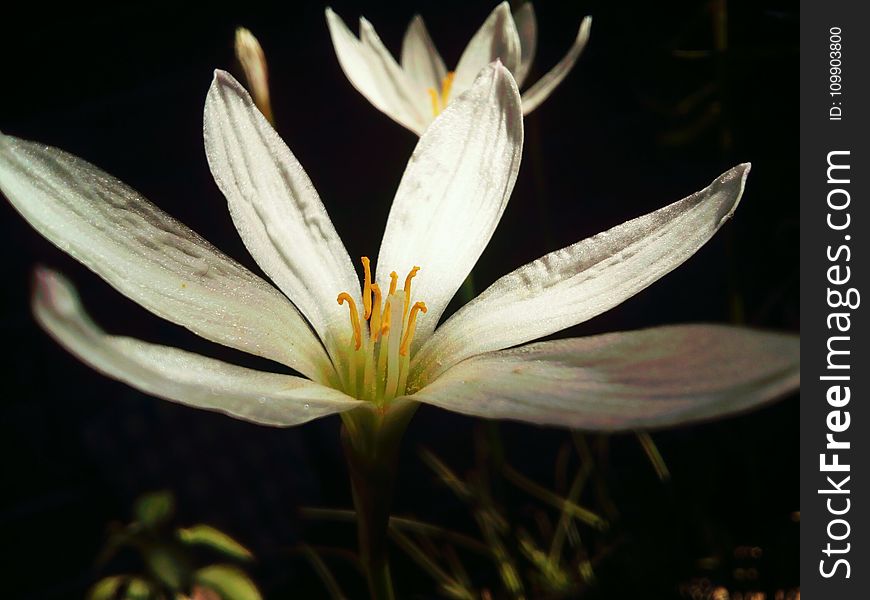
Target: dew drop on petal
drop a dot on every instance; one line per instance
(306, 406)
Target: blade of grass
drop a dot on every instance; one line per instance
(655, 457)
(324, 573)
(402, 524)
(574, 492)
(545, 495)
(598, 468)
(448, 584)
(449, 478)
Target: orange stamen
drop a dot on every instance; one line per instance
(354, 317)
(446, 85)
(394, 279)
(408, 290)
(376, 313)
(433, 96)
(412, 325)
(367, 288)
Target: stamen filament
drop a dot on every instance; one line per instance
(369, 385)
(403, 374)
(381, 381)
(394, 342)
(412, 325)
(385, 328)
(367, 288)
(354, 318)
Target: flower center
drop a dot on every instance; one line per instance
(377, 353)
(439, 101)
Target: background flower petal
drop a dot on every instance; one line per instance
(375, 74)
(633, 380)
(177, 375)
(420, 58)
(250, 55)
(544, 86)
(453, 192)
(527, 28)
(277, 210)
(498, 39)
(574, 284)
(151, 258)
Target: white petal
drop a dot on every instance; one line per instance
(544, 86)
(177, 375)
(277, 210)
(454, 191)
(574, 284)
(420, 59)
(498, 39)
(527, 28)
(634, 380)
(416, 99)
(375, 75)
(151, 258)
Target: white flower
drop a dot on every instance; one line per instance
(377, 349)
(414, 92)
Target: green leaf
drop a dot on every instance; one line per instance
(138, 589)
(228, 581)
(205, 535)
(106, 588)
(155, 508)
(168, 566)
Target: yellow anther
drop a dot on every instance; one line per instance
(446, 85)
(385, 326)
(408, 290)
(367, 288)
(375, 324)
(412, 325)
(354, 318)
(394, 279)
(436, 106)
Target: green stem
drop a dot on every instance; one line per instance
(380, 581)
(371, 446)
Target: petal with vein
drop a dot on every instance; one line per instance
(544, 86)
(527, 28)
(497, 39)
(276, 209)
(151, 258)
(574, 284)
(376, 76)
(454, 191)
(645, 379)
(177, 375)
(420, 59)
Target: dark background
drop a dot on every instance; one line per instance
(641, 122)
